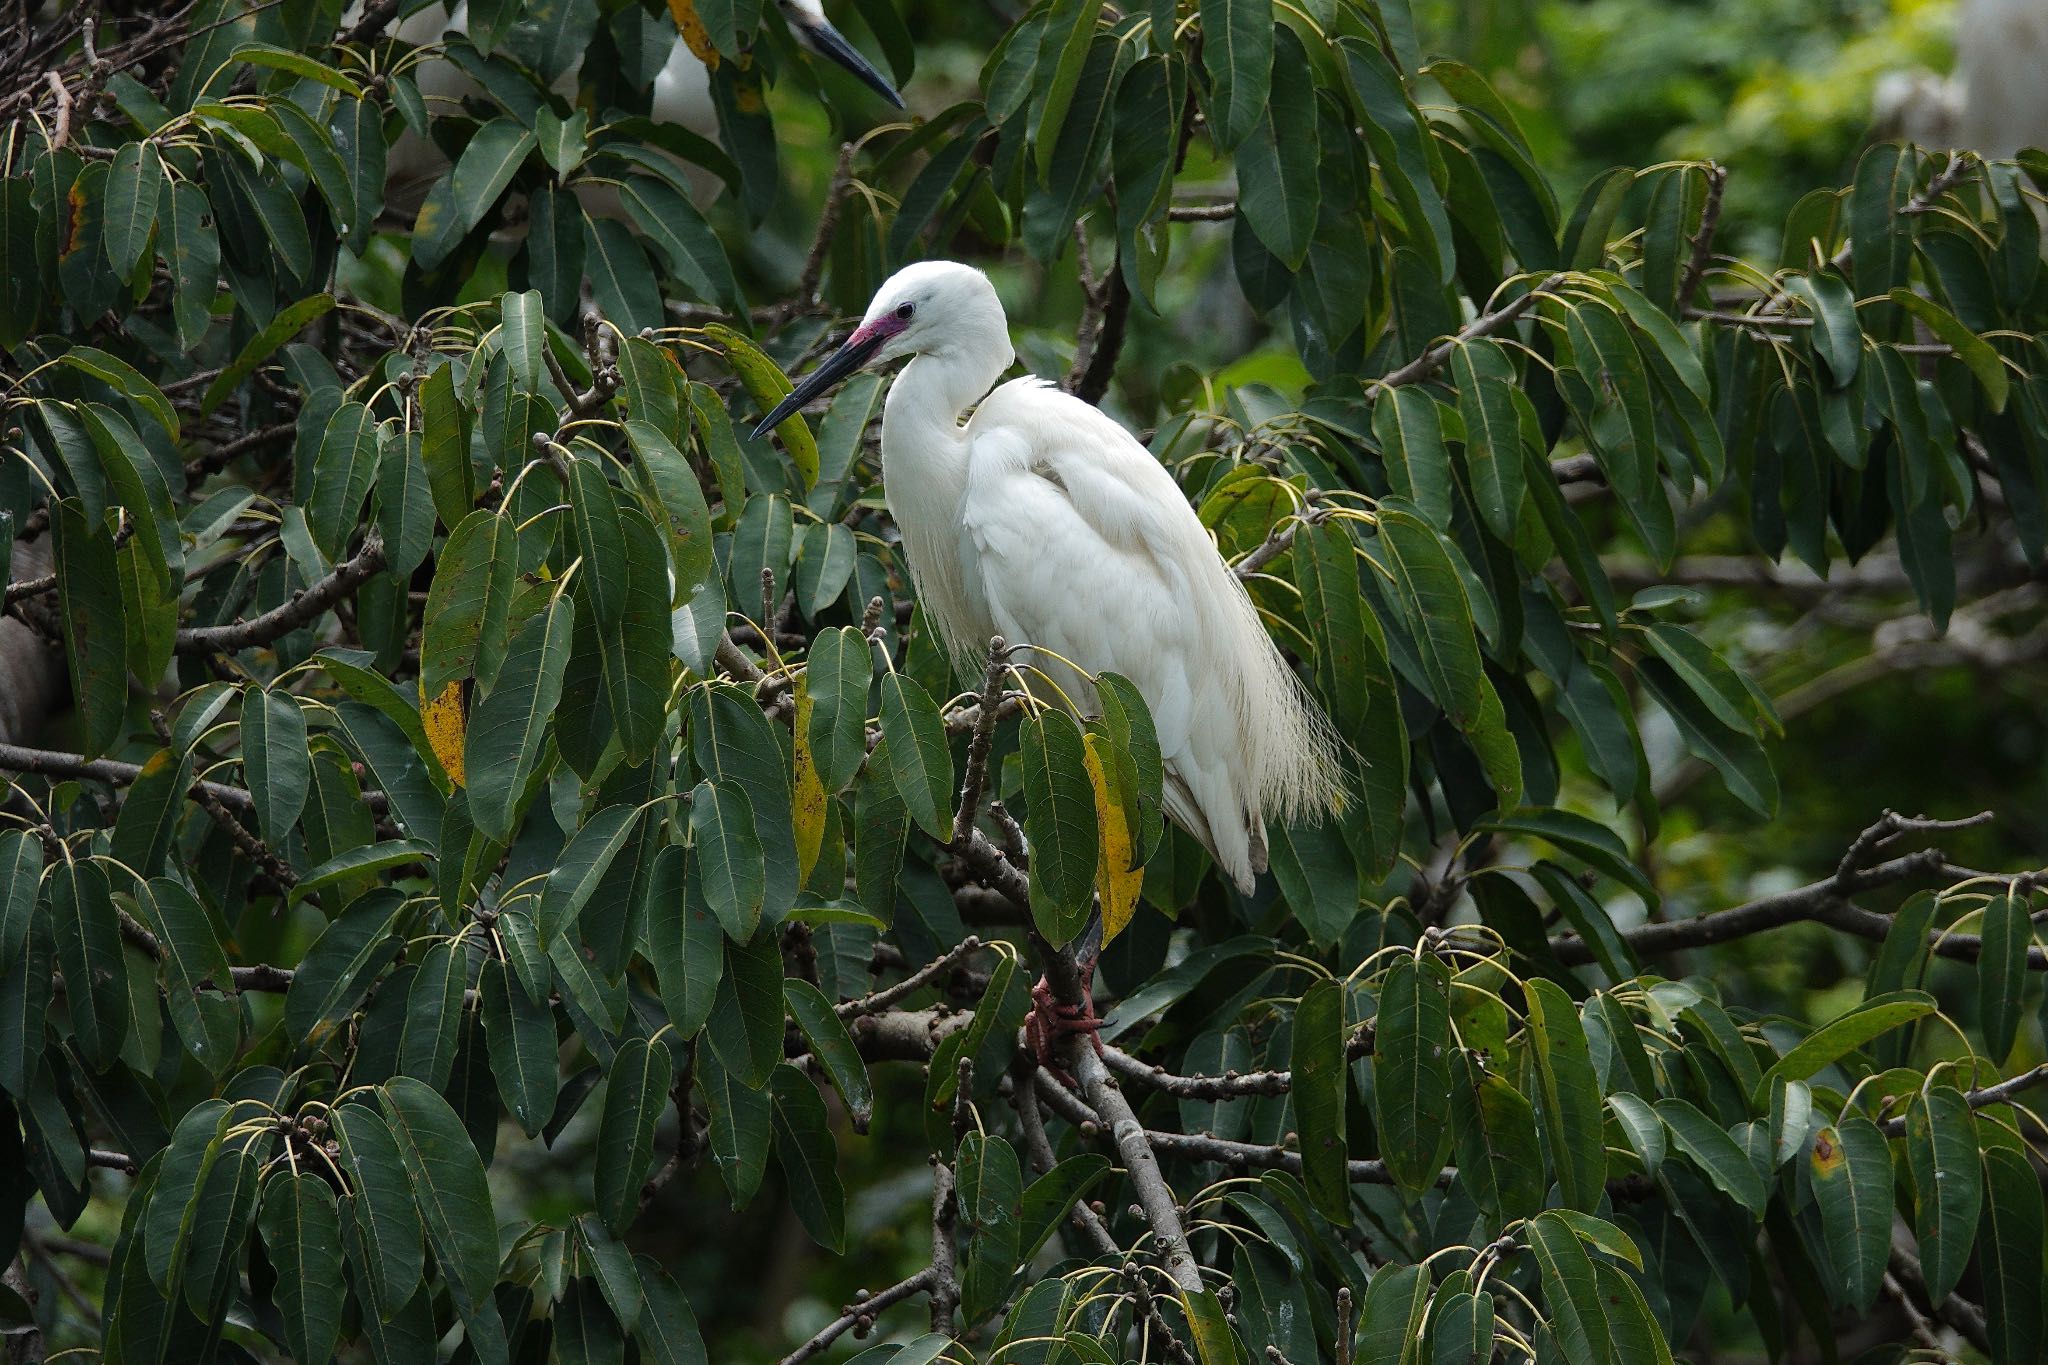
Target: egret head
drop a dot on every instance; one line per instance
(809, 26)
(929, 308)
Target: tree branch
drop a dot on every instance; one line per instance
(303, 608)
(56, 763)
(1485, 325)
(882, 999)
(859, 1316)
(2000, 1093)
(1231, 1085)
(1703, 240)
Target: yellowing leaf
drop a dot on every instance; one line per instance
(445, 725)
(1827, 1153)
(767, 385)
(810, 792)
(695, 35)
(1118, 878)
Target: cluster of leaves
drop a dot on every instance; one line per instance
(480, 741)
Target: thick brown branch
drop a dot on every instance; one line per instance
(304, 607)
(56, 763)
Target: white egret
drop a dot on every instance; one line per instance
(1044, 521)
(1996, 103)
(682, 89)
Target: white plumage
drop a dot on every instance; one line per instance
(1045, 522)
(1996, 103)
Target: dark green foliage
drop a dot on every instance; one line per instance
(527, 795)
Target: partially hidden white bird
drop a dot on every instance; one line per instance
(1996, 103)
(1042, 520)
(681, 94)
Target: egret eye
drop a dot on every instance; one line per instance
(904, 310)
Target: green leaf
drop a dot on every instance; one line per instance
(1278, 165)
(767, 385)
(1237, 53)
(433, 1014)
(838, 673)
(1568, 1095)
(693, 252)
(2009, 1256)
(444, 446)
(636, 1091)
(1837, 339)
(1948, 1187)
(1975, 352)
(1736, 755)
(1570, 1290)
(600, 540)
(586, 1329)
(1494, 1128)
(95, 633)
(1847, 1032)
(581, 867)
(728, 862)
(1059, 821)
(1715, 1153)
(1851, 1167)
(1432, 599)
(1409, 428)
(381, 1203)
(1391, 1314)
(485, 168)
(1411, 1069)
(832, 1047)
(448, 1184)
(302, 1235)
(521, 1034)
(1319, 1069)
(355, 863)
(665, 473)
(337, 970)
(506, 732)
(288, 323)
(684, 943)
(1719, 688)
(134, 183)
(2002, 971)
(667, 1329)
(1587, 840)
(463, 629)
(1493, 444)
(88, 937)
(739, 1115)
(807, 1153)
(916, 754)
(745, 1029)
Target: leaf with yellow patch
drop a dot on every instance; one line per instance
(446, 724)
(810, 792)
(1118, 876)
(767, 385)
(695, 36)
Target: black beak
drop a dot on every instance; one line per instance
(835, 367)
(828, 41)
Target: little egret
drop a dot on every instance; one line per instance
(1045, 522)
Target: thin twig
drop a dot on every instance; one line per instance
(1485, 325)
(61, 134)
(828, 223)
(1703, 240)
(909, 985)
(863, 1309)
(984, 733)
(303, 608)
